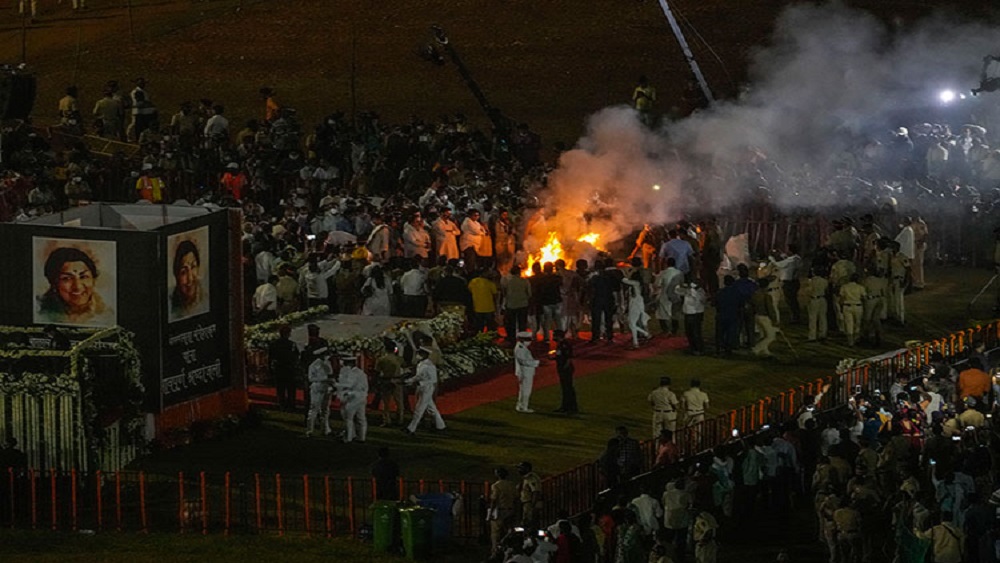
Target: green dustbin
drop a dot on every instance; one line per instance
(385, 533)
(418, 529)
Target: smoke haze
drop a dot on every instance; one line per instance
(831, 74)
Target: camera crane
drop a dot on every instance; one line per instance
(501, 123)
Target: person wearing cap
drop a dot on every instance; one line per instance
(426, 379)
(565, 369)
(664, 402)
(320, 378)
(352, 391)
(530, 494)
(524, 368)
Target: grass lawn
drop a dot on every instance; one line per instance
(46, 547)
(482, 437)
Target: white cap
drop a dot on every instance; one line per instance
(524, 334)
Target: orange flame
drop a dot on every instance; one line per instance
(551, 252)
(593, 239)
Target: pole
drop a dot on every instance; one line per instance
(76, 61)
(687, 51)
(354, 75)
(131, 22)
(24, 36)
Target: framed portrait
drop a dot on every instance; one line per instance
(187, 274)
(74, 282)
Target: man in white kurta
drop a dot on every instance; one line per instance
(524, 369)
(426, 380)
(320, 377)
(352, 391)
(378, 240)
(666, 288)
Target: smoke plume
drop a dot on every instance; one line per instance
(831, 76)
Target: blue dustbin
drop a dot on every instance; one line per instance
(442, 504)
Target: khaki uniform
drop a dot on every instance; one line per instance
(840, 274)
(664, 403)
(852, 296)
(695, 404)
(703, 534)
(503, 499)
(898, 267)
(848, 524)
(828, 528)
(876, 290)
(816, 290)
(531, 499)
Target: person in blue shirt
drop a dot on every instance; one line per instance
(680, 250)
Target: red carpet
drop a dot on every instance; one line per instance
(499, 383)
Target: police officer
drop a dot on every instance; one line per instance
(426, 379)
(876, 289)
(695, 403)
(816, 289)
(852, 296)
(840, 274)
(531, 495)
(524, 369)
(320, 387)
(352, 391)
(664, 402)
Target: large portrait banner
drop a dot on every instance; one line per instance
(194, 350)
(74, 282)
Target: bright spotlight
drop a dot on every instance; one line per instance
(947, 96)
(656, 187)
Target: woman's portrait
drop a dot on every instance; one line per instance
(187, 274)
(74, 282)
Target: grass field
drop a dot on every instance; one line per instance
(547, 63)
(45, 547)
(485, 436)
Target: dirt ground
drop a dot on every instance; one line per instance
(549, 63)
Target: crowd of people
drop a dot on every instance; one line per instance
(907, 474)
(409, 219)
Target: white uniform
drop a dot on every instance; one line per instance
(320, 379)
(524, 369)
(352, 390)
(426, 378)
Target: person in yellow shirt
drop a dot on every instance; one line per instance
(484, 302)
(643, 97)
(852, 296)
(149, 185)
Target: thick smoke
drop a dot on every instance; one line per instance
(831, 76)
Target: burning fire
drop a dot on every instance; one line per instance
(592, 239)
(553, 250)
